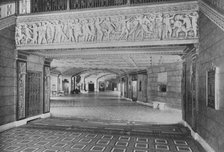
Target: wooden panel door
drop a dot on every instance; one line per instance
(47, 89)
(33, 102)
(21, 85)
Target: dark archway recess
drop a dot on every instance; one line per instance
(91, 87)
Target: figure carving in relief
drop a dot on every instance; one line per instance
(92, 30)
(70, 35)
(125, 28)
(179, 26)
(187, 24)
(145, 25)
(86, 30)
(98, 22)
(167, 33)
(110, 27)
(19, 34)
(77, 29)
(194, 19)
(150, 22)
(27, 32)
(35, 33)
(42, 33)
(50, 30)
(59, 34)
(159, 25)
(132, 25)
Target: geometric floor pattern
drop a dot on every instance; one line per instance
(59, 139)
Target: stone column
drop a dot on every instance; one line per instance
(68, 4)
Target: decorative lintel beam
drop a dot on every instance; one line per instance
(152, 25)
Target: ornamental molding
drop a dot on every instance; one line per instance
(212, 14)
(163, 24)
(8, 21)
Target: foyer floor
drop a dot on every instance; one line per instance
(109, 106)
(81, 135)
(101, 122)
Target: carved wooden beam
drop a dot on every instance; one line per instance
(152, 25)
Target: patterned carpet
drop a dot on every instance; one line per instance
(45, 136)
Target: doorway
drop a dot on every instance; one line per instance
(91, 87)
(134, 90)
(33, 102)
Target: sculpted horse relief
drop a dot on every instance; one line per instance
(152, 26)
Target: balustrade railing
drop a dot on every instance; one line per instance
(58, 5)
(79, 4)
(48, 5)
(149, 1)
(9, 7)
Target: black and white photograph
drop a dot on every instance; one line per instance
(111, 75)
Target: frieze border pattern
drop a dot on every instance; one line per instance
(144, 25)
(212, 14)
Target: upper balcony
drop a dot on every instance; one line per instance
(11, 7)
(69, 24)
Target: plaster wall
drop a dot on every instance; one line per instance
(8, 84)
(210, 122)
(172, 96)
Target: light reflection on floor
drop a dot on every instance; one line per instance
(109, 106)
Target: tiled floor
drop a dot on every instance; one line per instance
(40, 137)
(101, 123)
(109, 106)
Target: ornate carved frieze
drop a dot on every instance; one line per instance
(141, 25)
(21, 81)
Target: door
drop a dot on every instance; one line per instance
(189, 94)
(33, 102)
(134, 90)
(91, 87)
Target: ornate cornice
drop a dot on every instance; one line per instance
(8, 21)
(212, 14)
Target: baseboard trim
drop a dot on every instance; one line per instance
(145, 103)
(126, 98)
(22, 122)
(198, 138)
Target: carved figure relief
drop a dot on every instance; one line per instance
(151, 26)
